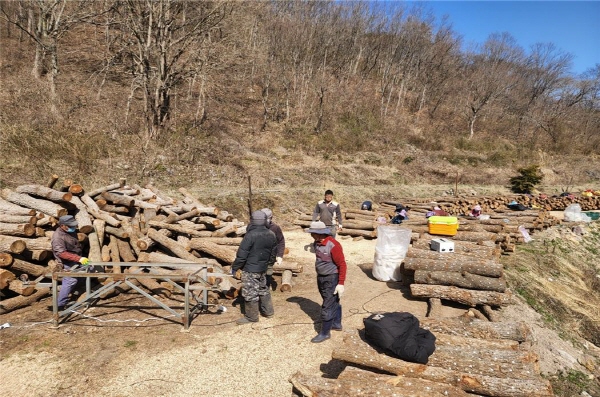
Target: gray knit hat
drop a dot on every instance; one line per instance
(258, 218)
(269, 214)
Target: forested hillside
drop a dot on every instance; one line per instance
(167, 89)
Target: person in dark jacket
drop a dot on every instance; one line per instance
(254, 256)
(328, 212)
(280, 244)
(68, 253)
(330, 265)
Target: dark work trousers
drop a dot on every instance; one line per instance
(331, 302)
(254, 285)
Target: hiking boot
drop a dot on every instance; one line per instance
(250, 315)
(324, 334)
(266, 305)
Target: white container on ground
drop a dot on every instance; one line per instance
(442, 245)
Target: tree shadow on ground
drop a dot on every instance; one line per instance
(311, 308)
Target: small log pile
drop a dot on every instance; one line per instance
(471, 357)
(117, 223)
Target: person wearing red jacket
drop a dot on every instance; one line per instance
(68, 253)
(330, 265)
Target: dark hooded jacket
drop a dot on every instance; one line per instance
(257, 250)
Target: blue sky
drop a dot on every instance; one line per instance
(572, 26)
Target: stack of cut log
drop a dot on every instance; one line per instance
(471, 275)
(117, 223)
(502, 228)
(356, 223)
(471, 357)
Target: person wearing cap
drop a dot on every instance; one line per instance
(328, 212)
(476, 211)
(280, 244)
(330, 265)
(68, 253)
(256, 253)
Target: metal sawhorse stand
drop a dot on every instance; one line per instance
(195, 278)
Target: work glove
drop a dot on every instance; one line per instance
(237, 274)
(339, 290)
(279, 260)
(84, 261)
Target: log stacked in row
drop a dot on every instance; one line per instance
(117, 223)
(471, 357)
(471, 275)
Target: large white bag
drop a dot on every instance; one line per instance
(392, 244)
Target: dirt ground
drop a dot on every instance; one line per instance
(127, 347)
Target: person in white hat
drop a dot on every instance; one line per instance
(68, 253)
(330, 265)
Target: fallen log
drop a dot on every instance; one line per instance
(21, 288)
(355, 351)
(177, 249)
(461, 279)
(14, 229)
(12, 245)
(9, 218)
(28, 267)
(466, 297)
(356, 232)
(361, 384)
(47, 207)
(44, 192)
(286, 281)
(6, 207)
(223, 253)
(8, 305)
(451, 262)
(6, 276)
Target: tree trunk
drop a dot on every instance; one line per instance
(373, 384)
(175, 228)
(355, 351)
(224, 253)
(103, 189)
(47, 207)
(40, 243)
(28, 267)
(472, 328)
(17, 302)
(6, 276)
(358, 233)
(13, 229)
(12, 245)
(286, 281)
(6, 207)
(466, 297)
(20, 288)
(461, 279)
(177, 249)
(44, 192)
(7, 218)
(453, 262)
(84, 221)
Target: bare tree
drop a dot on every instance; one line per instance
(164, 43)
(46, 22)
(489, 74)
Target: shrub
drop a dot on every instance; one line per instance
(526, 182)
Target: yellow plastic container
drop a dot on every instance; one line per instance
(443, 225)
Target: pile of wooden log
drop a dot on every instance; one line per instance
(471, 275)
(471, 357)
(117, 223)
